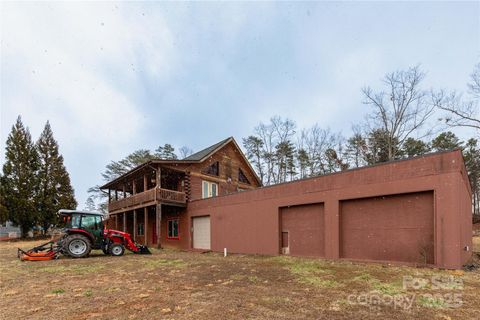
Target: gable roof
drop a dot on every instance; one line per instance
(197, 157)
(200, 155)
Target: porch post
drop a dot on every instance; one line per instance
(116, 194)
(134, 187)
(158, 223)
(134, 224)
(125, 221)
(158, 177)
(145, 225)
(145, 182)
(124, 191)
(116, 221)
(109, 195)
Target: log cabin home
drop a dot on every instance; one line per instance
(150, 201)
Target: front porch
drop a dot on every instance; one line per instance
(142, 201)
(149, 225)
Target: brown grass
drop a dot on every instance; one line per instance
(173, 284)
(476, 244)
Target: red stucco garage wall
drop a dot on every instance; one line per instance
(250, 221)
(389, 228)
(303, 227)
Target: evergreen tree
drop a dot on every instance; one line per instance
(19, 180)
(54, 189)
(356, 150)
(166, 152)
(3, 208)
(303, 161)
(446, 141)
(379, 147)
(413, 147)
(471, 154)
(284, 155)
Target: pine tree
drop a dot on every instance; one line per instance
(19, 180)
(471, 154)
(413, 147)
(54, 189)
(166, 152)
(446, 141)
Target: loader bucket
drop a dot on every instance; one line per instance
(143, 250)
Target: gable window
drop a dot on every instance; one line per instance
(172, 229)
(242, 177)
(213, 169)
(209, 189)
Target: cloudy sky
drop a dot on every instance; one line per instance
(115, 77)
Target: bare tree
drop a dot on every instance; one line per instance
(185, 152)
(461, 112)
(401, 109)
(313, 144)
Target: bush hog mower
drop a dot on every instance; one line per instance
(83, 231)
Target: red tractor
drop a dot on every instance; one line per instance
(84, 231)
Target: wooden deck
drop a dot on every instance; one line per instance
(146, 198)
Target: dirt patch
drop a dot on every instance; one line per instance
(173, 284)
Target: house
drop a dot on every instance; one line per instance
(8, 231)
(415, 211)
(150, 201)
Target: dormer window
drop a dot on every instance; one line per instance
(242, 177)
(213, 169)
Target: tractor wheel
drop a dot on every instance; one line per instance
(117, 250)
(77, 246)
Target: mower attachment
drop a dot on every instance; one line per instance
(46, 251)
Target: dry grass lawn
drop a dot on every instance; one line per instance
(476, 244)
(183, 285)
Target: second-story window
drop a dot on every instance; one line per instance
(209, 189)
(242, 177)
(212, 169)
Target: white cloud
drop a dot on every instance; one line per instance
(78, 65)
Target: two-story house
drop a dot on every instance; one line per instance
(150, 201)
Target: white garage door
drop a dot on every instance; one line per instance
(201, 233)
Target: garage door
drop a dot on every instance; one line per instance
(390, 228)
(201, 233)
(303, 230)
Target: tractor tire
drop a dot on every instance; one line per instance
(77, 246)
(117, 250)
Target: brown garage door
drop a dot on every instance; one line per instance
(302, 230)
(391, 228)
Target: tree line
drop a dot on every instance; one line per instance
(34, 183)
(399, 125)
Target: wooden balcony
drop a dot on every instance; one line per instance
(146, 198)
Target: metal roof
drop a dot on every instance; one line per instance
(198, 156)
(65, 211)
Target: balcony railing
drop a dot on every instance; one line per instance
(147, 197)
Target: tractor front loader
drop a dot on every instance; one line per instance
(84, 231)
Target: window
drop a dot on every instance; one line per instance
(140, 229)
(213, 169)
(89, 222)
(172, 229)
(242, 177)
(209, 189)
